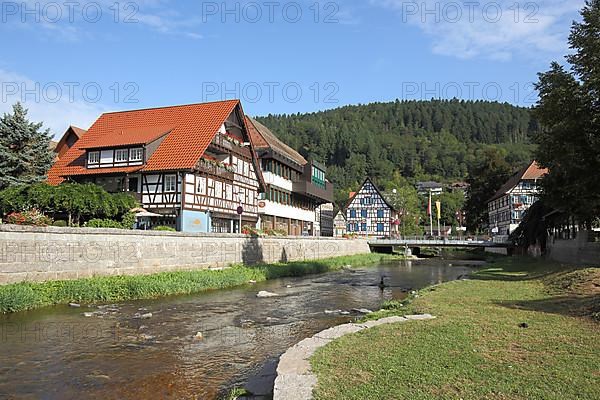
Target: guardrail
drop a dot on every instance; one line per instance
(432, 241)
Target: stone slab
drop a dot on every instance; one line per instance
(295, 380)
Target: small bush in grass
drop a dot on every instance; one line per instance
(60, 223)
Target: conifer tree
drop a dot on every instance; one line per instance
(25, 154)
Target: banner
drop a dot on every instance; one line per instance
(438, 206)
(429, 205)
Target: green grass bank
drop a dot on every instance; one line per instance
(478, 347)
(26, 295)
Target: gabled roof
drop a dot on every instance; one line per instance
(376, 190)
(531, 172)
(192, 128)
(263, 138)
(128, 137)
(59, 146)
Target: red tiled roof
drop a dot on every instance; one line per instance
(194, 126)
(127, 137)
(78, 131)
(531, 172)
(263, 138)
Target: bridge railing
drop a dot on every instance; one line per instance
(466, 238)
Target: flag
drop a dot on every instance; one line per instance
(438, 206)
(429, 205)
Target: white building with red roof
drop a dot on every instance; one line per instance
(509, 203)
(193, 164)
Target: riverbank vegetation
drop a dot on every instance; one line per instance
(68, 204)
(29, 295)
(521, 329)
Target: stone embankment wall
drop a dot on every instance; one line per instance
(577, 251)
(50, 253)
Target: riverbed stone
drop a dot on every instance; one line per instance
(264, 293)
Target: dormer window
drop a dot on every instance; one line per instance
(136, 154)
(121, 155)
(93, 157)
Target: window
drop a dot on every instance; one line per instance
(136, 154)
(349, 227)
(379, 227)
(170, 183)
(363, 213)
(93, 157)
(379, 213)
(363, 226)
(121, 155)
(352, 213)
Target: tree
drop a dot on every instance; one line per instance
(451, 203)
(25, 154)
(569, 111)
(406, 201)
(484, 179)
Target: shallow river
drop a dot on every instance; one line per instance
(59, 353)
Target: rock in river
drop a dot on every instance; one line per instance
(264, 293)
(362, 310)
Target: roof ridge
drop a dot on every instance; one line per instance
(172, 106)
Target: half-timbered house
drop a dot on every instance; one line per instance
(508, 205)
(368, 213)
(294, 186)
(192, 164)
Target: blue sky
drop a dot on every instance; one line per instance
(69, 62)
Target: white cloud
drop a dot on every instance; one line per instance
(45, 105)
(496, 30)
(72, 21)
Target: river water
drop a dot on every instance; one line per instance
(118, 352)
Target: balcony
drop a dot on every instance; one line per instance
(225, 144)
(212, 168)
(307, 188)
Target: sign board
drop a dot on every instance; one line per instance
(262, 204)
(240, 210)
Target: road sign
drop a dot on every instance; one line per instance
(240, 210)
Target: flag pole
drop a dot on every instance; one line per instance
(438, 209)
(430, 215)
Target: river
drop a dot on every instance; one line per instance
(118, 351)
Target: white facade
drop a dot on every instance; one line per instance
(285, 211)
(276, 180)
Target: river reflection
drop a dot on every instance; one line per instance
(120, 352)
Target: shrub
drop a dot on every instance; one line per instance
(61, 223)
(103, 223)
(30, 217)
(128, 220)
(163, 228)
(250, 230)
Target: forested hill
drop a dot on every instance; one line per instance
(436, 139)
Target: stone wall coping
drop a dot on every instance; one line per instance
(295, 380)
(137, 232)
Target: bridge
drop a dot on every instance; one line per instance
(418, 242)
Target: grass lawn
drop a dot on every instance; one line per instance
(475, 348)
(29, 295)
